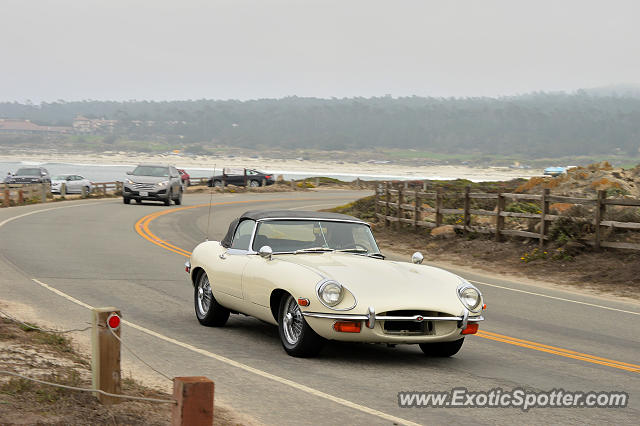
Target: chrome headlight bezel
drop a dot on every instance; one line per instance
(327, 287)
(163, 183)
(129, 182)
(467, 289)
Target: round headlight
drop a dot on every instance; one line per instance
(471, 298)
(330, 293)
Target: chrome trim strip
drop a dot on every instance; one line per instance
(389, 318)
(314, 219)
(371, 317)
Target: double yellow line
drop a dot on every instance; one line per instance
(142, 228)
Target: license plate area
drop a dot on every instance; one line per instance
(144, 194)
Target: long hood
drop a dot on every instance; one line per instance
(384, 284)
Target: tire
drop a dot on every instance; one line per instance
(297, 337)
(167, 201)
(208, 311)
(254, 183)
(178, 201)
(126, 200)
(442, 349)
(217, 183)
(87, 189)
(138, 200)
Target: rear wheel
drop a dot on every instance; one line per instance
(138, 200)
(208, 311)
(126, 200)
(217, 183)
(254, 184)
(442, 349)
(297, 337)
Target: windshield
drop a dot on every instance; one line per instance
(151, 171)
(60, 177)
(291, 235)
(28, 172)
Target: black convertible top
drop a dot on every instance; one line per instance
(281, 214)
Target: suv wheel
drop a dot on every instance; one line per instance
(126, 200)
(178, 200)
(167, 201)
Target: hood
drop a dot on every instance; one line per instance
(147, 179)
(384, 284)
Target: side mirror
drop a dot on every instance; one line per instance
(265, 252)
(417, 258)
(69, 178)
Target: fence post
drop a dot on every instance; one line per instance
(317, 182)
(105, 359)
(544, 211)
(499, 218)
(224, 180)
(245, 177)
(84, 192)
(63, 189)
(20, 196)
(399, 211)
(376, 199)
(416, 208)
(194, 397)
(599, 213)
(264, 182)
(424, 186)
(293, 184)
(358, 184)
(466, 220)
(438, 207)
(43, 192)
(387, 211)
(7, 197)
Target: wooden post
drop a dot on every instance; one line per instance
(43, 192)
(438, 207)
(6, 202)
(293, 184)
(376, 199)
(599, 214)
(20, 196)
(544, 211)
(194, 397)
(499, 218)
(84, 192)
(416, 208)
(387, 212)
(466, 220)
(245, 177)
(358, 184)
(424, 186)
(63, 189)
(406, 184)
(399, 211)
(105, 359)
(317, 182)
(224, 179)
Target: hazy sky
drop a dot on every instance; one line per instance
(190, 49)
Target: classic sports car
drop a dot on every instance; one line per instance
(320, 276)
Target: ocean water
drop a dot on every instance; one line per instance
(117, 172)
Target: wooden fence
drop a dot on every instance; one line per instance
(420, 208)
(20, 194)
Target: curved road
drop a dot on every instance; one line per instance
(55, 257)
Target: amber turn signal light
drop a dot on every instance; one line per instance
(303, 302)
(471, 329)
(347, 326)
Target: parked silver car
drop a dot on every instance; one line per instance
(154, 182)
(73, 184)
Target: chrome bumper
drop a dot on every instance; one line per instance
(371, 317)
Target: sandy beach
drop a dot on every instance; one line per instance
(365, 170)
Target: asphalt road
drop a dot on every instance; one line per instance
(90, 251)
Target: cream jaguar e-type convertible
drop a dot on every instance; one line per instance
(320, 276)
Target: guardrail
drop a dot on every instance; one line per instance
(420, 208)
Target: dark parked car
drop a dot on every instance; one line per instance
(236, 177)
(186, 179)
(31, 175)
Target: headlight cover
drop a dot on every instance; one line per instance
(129, 181)
(330, 293)
(163, 184)
(470, 296)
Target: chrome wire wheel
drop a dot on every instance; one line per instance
(292, 321)
(204, 295)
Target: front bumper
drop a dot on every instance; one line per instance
(160, 194)
(441, 328)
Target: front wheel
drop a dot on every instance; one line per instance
(208, 311)
(297, 337)
(126, 200)
(442, 349)
(167, 201)
(217, 183)
(254, 184)
(178, 200)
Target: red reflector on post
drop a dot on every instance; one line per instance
(471, 329)
(347, 326)
(113, 321)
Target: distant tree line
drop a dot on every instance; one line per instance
(534, 125)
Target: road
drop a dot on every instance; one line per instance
(89, 252)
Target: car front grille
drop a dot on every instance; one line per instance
(414, 328)
(143, 186)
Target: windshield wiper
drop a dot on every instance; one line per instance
(313, 250)
(353, 250)
(376, 255)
